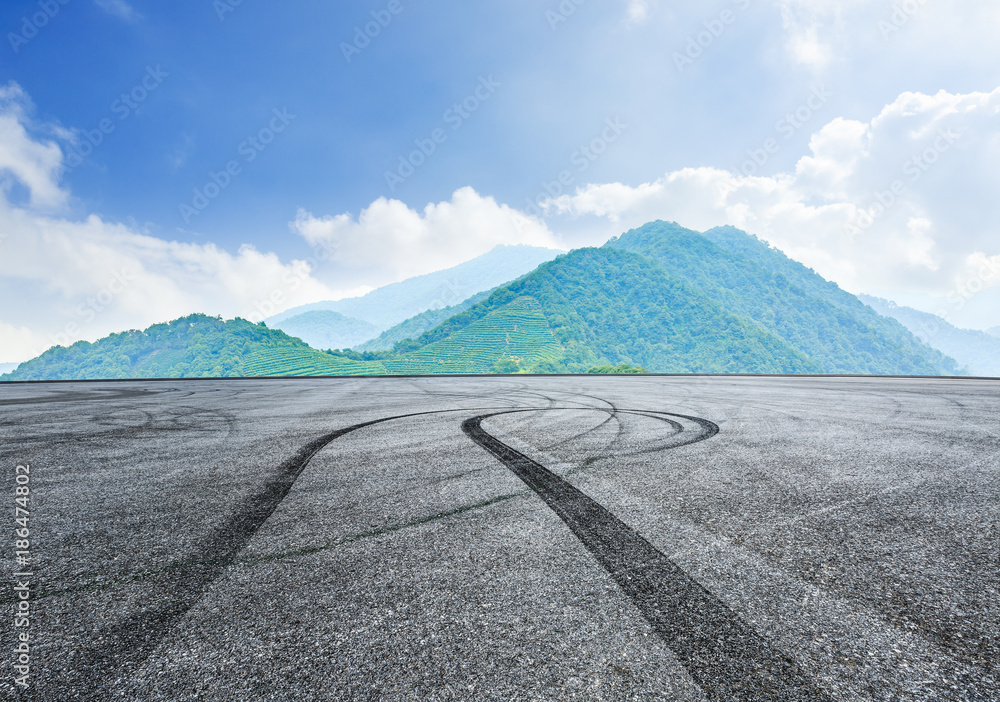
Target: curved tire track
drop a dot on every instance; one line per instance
(126, 644)
(726, 657)
(122, 647)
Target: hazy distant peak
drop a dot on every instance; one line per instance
(391, 304)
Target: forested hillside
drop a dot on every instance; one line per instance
(391, 304)
(976, 350)
(191, 347)
(325, 329)
(762, 285)
(607, 307)
(660, 298)
(417, 325)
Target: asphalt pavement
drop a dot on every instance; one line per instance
(586, 537)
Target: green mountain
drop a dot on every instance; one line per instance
(595, 307)
(738, 242)
(838, 332)
(976, 350)
(417, 325)
(517, 331)
(325, 329)
(661, 298)
(191, 347)
(392, 304)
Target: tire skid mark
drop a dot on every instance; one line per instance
(98, 584)
(165, 571)
(612, 415)
(563, 442)
(725, 656)
(125, 644)
(94, 395)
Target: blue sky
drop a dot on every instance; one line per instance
(354, 119)
(694, 90)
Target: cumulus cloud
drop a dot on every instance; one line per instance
(24, 159)
(85, 279)
(76, 279)
(905, 200)
(404, 242)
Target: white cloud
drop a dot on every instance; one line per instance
(401, 242)
(820, 33)
(19, 343)
(118, 8)
(837, 211)
(837, 151)
(84, 278)
(802, 22)
(74, 279)
(34, 164)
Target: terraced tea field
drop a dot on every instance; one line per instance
(517, 331)
(293, 361)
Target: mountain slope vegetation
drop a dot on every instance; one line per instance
(760, 284)
(660, 298)
(609, 307)
(417, 325)
(978, 351)
(191, 347)
(515, 335)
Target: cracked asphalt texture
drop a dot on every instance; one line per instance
(191, 540)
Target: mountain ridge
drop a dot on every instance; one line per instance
(979, 351)
(784, 297)
(660, 297)
(588, 321)
(391, 304)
